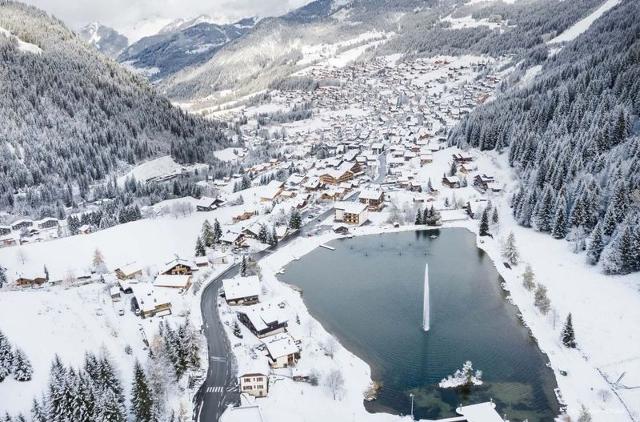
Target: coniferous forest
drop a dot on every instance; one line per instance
(573, 139)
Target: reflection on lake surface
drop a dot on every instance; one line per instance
(368, 292)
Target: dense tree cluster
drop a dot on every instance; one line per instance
(71, 117)
(13, 362)
(573, 140)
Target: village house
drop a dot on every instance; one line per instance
(24, 279)
(47, 223)
(178, 266)
(5, 230)
(21, 224)
(232, 238)
(180, 281)
(245, 413)
(373, 198)
(451, 181)
(114, 292)
(201, 261)
(462, 157)
(241, 290)
(282, 351)
(150, 302)
(263, 319)
(336, 176)
(244, 215)
(254, 378)
(351, 212)
(271, 191)
(129, 271)
(208, 204)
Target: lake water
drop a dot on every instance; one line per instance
(368, 292)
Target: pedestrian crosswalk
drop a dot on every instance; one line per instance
(215, 389)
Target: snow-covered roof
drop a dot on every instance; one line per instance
(147, 297)
(242, 414)
(241, 287)
(351, 207)
(482, 412)
(130, 268)
(176, 281)
(281, 344)
(370, 194)
(177, 261)
(262, 314)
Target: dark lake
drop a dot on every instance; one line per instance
(368, 292)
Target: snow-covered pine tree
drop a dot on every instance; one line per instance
(21, 366)
(544, 214)
(274, 237)
(295, 221)
(207, 236)
(596, 245)
(262, 234)
(3, 276)
(217, 231)
(568, 335)
(38, 412)
(541, 300)
(510, 251)
(494, 216)
(243, 266)
(484, 224)
(199, 249)
(528, 278)
(418, 220)
(6, 357)
(559, 230)
(141, 396)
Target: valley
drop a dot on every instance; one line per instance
(251, 246)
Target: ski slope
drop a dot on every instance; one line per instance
(581, 26)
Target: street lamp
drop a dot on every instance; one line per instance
(411, 395)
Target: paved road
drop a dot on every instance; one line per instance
(221, 389)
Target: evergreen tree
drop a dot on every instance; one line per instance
(541, 300)
(596, 246)
(38, 413)
(6, 357)
(295, 221)
(509, 250)
(544, 216)
(484, 224)
(568, 335)
(141, 396)
(200, 250)
(262, 234)
(21, 367)
(274, 237)
(3, 276)
(243, 266)
(208, 237)
(528, 277)
(559, 230)
(217, 231)
(418, 221)
(494, 216)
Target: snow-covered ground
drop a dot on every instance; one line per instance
(22, 45)
(158, 168)
(582, 25)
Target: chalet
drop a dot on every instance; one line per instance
(341, 229)
(451, 181)
(232, 238)
(254, 378)
(5, 230)
(336, 176)
(47, 223)
(208, 204)
(218, 257)
(245, 215)
(426, 159)
(351, 213)
(312, 184)
(271, 191)
(150, 302)
(377, 147)
(241, 290)
(21, 224)
(462, 157)
(263, 319)
(129, 271)
(282, 351)
(373, 198)
(484, 183)
(178, 266)
(30, 279)
(180, 281)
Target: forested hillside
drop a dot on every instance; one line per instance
(573, 138)
(71, 116)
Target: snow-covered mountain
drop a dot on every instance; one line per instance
(181, 44)
(74, 117)
(106, 40)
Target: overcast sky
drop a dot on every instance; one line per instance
(123, 14)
